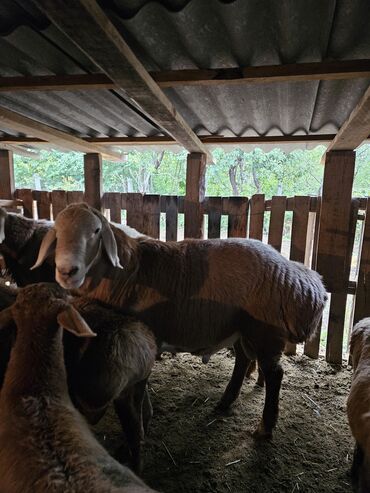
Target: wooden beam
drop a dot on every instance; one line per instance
(21, 151)
(297, 72)
(26, 125)
(86, 24)
(160, 140)
(195, 188)
(55, 82)
(7, 186)
(356, 128)
(93, 170)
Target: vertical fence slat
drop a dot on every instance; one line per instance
(75, 196)
(363, 284)
(312, 347)
(58, 201)
(214, 217)
(43, 204)
(151, 215)
(171, 217)
(278, 207)
(134, 207)
(237, 212)
(112, 202)
(25, 194)
(257, 211)
(301, 210)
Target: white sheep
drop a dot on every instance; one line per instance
(45, 444)
(196, 295)
(358, 404)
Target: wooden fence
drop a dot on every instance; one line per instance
(293, 223)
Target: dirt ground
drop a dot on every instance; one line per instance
(191, 449)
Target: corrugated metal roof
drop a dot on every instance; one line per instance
(179, 34)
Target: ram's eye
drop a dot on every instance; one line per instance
(97, 231)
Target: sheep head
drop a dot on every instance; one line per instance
(79, 236)
(44, 305)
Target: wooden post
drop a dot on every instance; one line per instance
(93, 180)
(6, 175)
(195, 186)
(333, 244)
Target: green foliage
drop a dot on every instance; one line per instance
(234, 172)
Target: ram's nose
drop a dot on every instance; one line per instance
(68, 271)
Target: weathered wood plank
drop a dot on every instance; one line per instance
(75, 196)
(113, 201)
(237, 217)
(362, 303)
(301, 212)
(195, 185)
(257, 211)
(171, 217)
(25, 194)
(214, 217)
(134, 207)
(151, 215)
(58, 201)
(278, 207)
(93, 170)
(43, 204)
(7, 186)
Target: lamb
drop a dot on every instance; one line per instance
(111, 368)
(20, 239)
(45, 444)
(358, 404)
(196, 295)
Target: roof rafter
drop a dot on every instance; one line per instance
(26, 125)
(298, 72)
(86, 24)
(355, 129)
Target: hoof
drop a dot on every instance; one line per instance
(262, 433)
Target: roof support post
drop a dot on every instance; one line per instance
(93, 169)
(333, 251)
(195, 189)
(7, 186)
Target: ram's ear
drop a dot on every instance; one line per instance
(71, 320)
(46, 247)
(3, 215)
(6, 318)
(109, 241)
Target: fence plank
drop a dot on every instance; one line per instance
(25, 194)
(301, 210)
(134, 206)
(257, 211)
(237, 212)
(312, 347)
(43, 204)
(112, 201)
(75, 196)
(58, 201)
(171, 217)
(278, 207)
(151, 215)
(214, 217)
(363, 284)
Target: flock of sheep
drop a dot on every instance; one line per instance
(91, 339)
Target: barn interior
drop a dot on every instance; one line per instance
(102, 77)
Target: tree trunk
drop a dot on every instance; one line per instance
(232, 177)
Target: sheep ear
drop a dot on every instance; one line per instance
(71, 320)
(3, 215)
(46, 247)
(109, 241)
(6, 318)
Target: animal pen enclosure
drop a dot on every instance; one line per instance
(101, 77)
(245, 218)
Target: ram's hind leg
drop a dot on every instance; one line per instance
(232, 391)
(273, 373)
